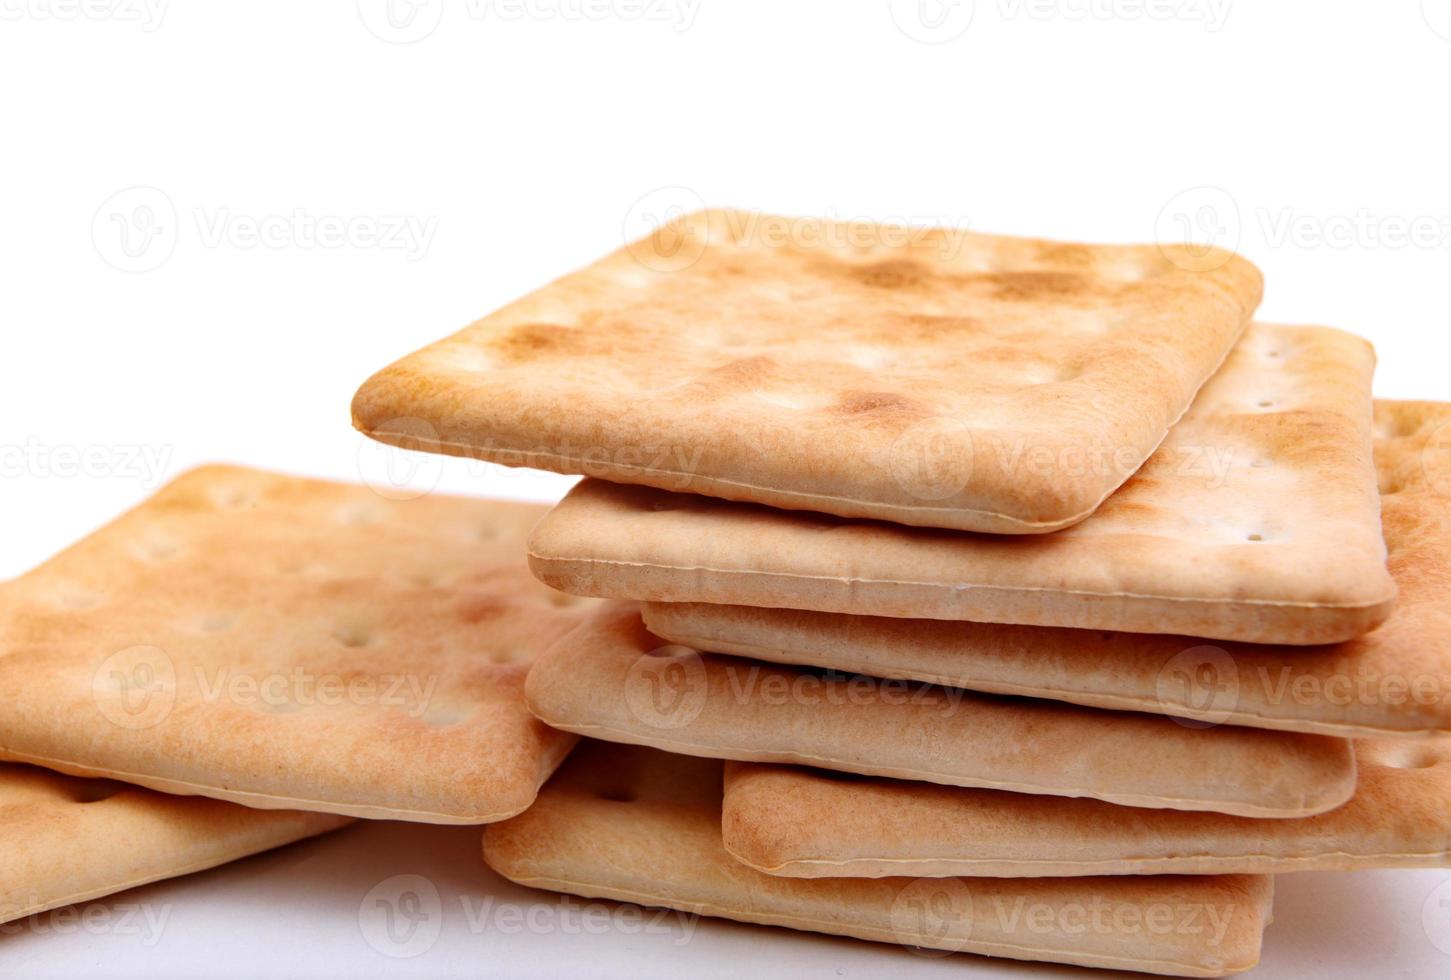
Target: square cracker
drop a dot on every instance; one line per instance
(810, 824)
(1257, 520)
(612, 680)
(866, 380)
(643, 826)
(290, 643)
(70, 840)
(1395, 680)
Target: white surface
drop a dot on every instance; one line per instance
(513, 148)
(313, 910)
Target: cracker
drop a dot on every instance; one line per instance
(290, 643)
(1394, 681)
(1257, 520)
(642, 826)
(70, 840)
(612, 680)
(878, 380)
(806, 823)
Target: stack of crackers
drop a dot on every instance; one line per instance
(969, 593)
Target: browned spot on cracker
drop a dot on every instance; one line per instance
(480, 608)
(1037, 286)
(875, 403)
(890, 274)
(746, 372)
(1066, 254)
(541, 340)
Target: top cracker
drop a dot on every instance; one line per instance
(929, 377)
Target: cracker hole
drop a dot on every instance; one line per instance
(1265, 403)
(217, 623)
(93, 790)
(1413, 757)
(1254, 537)
(78, 600)
(157, 551)
(353, 636)
(312, 569)
(358, 516)
(469, 358)
(672, 650)
(446, 716)
(232, 498)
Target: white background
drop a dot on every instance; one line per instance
(515, 139)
